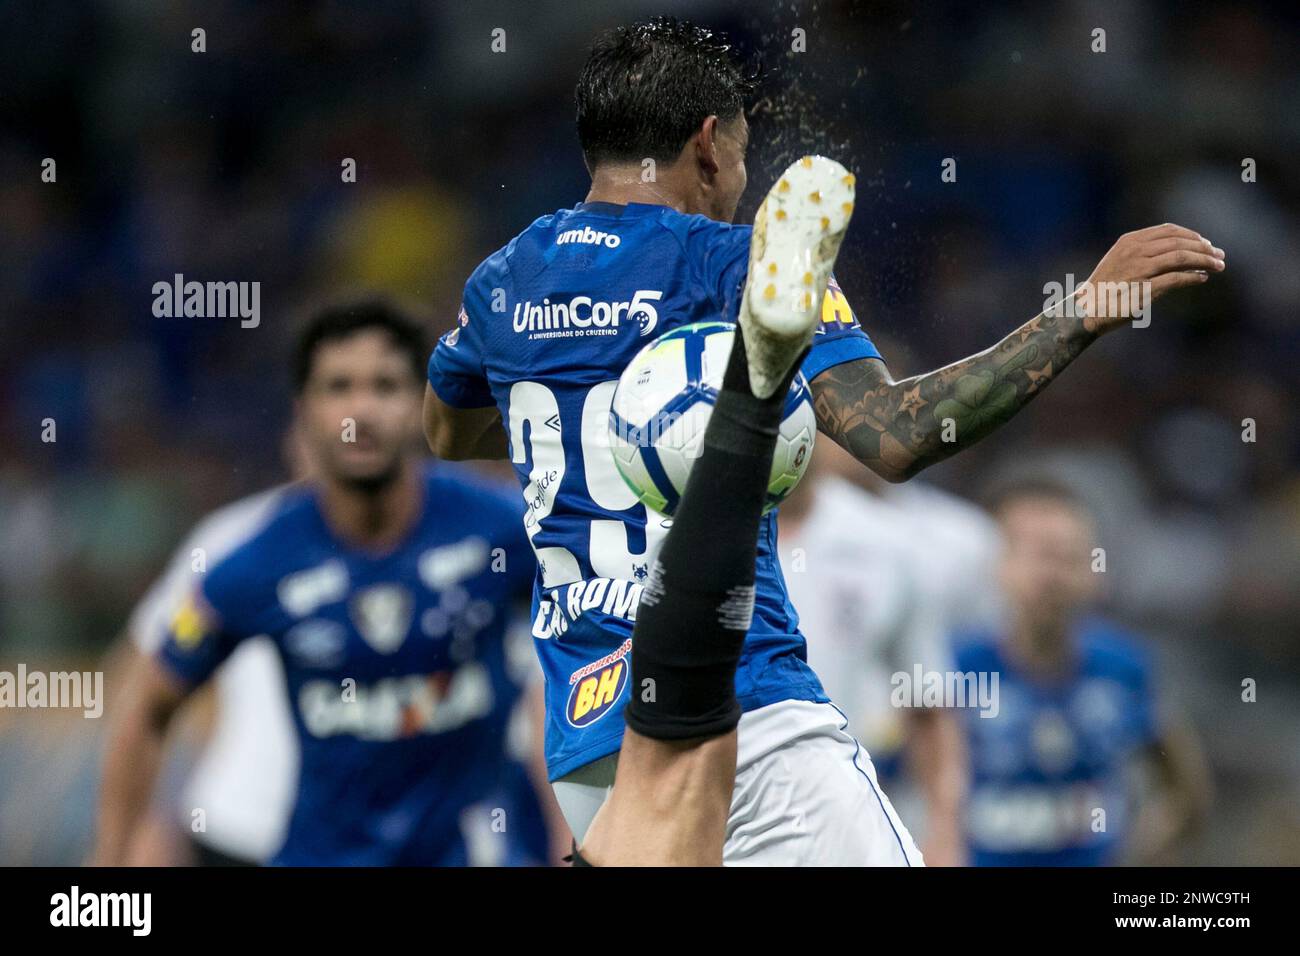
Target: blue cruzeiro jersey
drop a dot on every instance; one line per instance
(1056, 752)
(396, 669)
(547, 326)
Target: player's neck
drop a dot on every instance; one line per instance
(624, 183)
(1042, 648)
(373, 519)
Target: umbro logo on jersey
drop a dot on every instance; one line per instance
(581, 316)
(588, 237)
(316, 642)
(449, 564)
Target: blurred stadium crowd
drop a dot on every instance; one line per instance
(225, 166)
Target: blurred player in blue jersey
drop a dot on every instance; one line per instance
(551, 320)
(385, 584)
(1072, 766)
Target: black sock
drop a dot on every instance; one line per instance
(698, 603)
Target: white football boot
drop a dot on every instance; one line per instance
(797, 235)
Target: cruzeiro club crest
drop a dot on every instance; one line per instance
(382, 614)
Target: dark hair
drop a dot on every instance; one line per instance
(645, 89)
(1035, 488)
(343, 320)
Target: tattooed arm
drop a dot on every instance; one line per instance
(897, 428)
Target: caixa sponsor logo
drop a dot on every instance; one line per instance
(397, 707)
(588, 237)
(597, 687)
(586, 315)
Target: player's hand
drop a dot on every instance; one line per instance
(1141, 267)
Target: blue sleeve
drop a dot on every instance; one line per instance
(838, 338)
(722, 252)
(456, 370)
(204, 630)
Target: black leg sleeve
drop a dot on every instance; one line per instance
(698, 602)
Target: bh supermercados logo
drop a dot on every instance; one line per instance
(597, 686)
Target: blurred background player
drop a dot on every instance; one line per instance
(870, 587)
(384, 584)
(1074, 765)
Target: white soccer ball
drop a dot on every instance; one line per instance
(663, 402)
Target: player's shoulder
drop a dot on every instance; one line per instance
(959, 515)
(540, 232)
(1112, 650)
(271, 548)
(842, 496)
(496, 268)
(961, 535)
(492, 271)
(693, 229)
(228, 526)
(524, 251)
(853, 518)
(210, 541)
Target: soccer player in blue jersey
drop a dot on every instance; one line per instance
(385, 584)
(1076, 725)
(550, 321)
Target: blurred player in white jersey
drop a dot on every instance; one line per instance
(861, 571)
